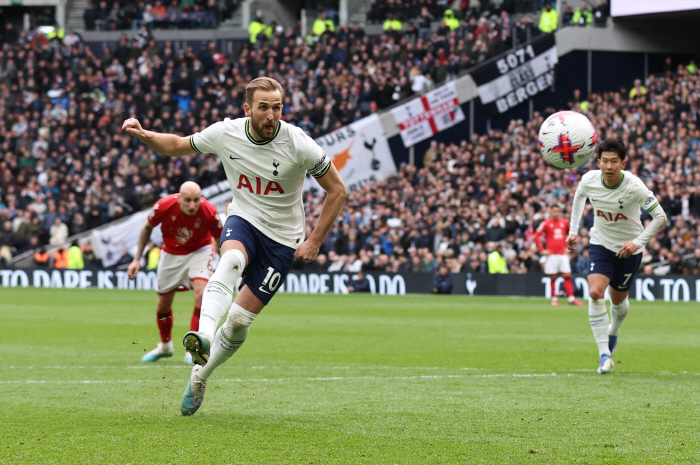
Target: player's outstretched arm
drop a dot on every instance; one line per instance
(144, 237)
(336, 195)
(165, 144)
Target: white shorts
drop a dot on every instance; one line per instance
(557, 264)
(176, 272)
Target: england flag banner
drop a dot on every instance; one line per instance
(360, 152)
(517, 76)
(423, 117)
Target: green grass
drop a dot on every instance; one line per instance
(348, 380)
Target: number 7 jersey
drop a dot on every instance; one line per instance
(617, 208)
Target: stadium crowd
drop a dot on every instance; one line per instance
(474, 205)
(66, 167)
(105, 15)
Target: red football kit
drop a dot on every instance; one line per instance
(183, 234)
(555, 234)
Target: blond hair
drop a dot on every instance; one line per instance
(261, 83)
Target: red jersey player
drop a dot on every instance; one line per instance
(555, 229)
(189, 224)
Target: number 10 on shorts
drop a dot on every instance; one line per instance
(272, 280)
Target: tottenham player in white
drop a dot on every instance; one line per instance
(617, 240)
(266, 161)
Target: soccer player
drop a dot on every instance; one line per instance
(266, 161)
(189, 224)
(555, 229)
(617, 240)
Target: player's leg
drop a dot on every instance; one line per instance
(216, 299)
(172, 271)
(569, 288)
(565, 270)
(553, 287)
(269, 266)
(551, 270)
(164, 319)
(601, 268)
(599, 319)
(198, 285)
(228, 339)
(618, 312)
(619, 291)
(237, 249)
(234, 331)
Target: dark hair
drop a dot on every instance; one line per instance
(612, 145)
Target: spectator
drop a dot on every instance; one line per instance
(425, 21)
(600, 14)
(549, 19)
(41, 258)
(89, 257)
(442, 281)
(450, 21)
(392, 24)
(583, 17)
(90, 16)
(7, 243)
(359, 284)
(323, 24)
(638, 89)
(256, 29)
(58, 232)
(60, 258)
(496, 262)
(75, 257)
(567, 18)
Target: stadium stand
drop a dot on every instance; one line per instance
(67, 168)
(103, 15)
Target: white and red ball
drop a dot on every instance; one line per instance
(567, 139)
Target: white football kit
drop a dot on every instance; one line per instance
(617, 211)
(267, 178)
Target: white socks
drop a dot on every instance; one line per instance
(228, 338)
(219, 292)
(165, 348)
(599, 320)
(618, 313)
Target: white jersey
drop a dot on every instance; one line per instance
(267, 178)
(617, 209)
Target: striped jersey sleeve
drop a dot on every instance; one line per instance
(645, 197)
(313, 157)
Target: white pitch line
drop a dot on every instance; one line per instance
(189, 367)
(325, 378)
(336, 378)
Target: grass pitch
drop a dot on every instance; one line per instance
(348, 380)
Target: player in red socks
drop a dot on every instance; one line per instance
(555, 229)
(189, 224)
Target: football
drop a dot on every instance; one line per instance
(567, 139)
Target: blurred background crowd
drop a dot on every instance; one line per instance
(66, 167)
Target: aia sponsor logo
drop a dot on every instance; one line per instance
(256, 187)
(610, 217)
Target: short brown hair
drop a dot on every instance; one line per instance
(262, 83)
